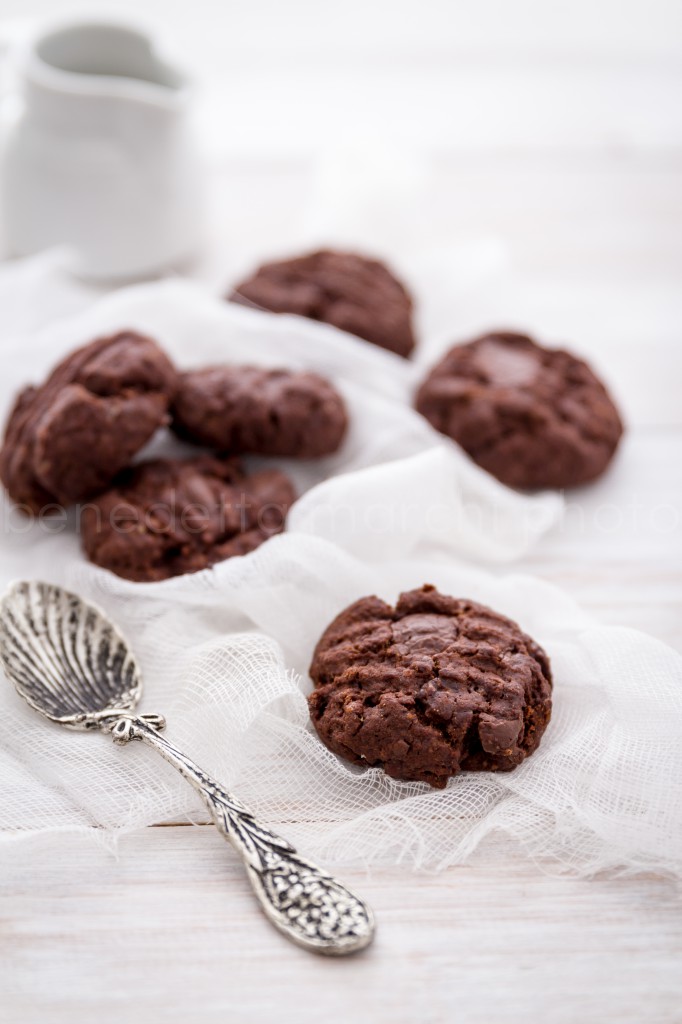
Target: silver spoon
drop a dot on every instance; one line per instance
(71, 664)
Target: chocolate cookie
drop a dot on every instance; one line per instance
(67, 439)
(430, 688)
(245, 409)
(166, 517)
(532, 416)
(351, 292)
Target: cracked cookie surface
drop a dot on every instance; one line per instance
(67, 439)
(349, 291)
(167, 517)
(251, 410)
(430, 688)
(533, 417)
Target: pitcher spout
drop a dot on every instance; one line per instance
(98, 58)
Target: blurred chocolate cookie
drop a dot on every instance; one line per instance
(430, 688)
(246, 409)
(533, 417)
(351, 292)
(67, 439)
(166, 517)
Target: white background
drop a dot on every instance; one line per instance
(554, 132)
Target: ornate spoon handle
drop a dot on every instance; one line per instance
(304, 902)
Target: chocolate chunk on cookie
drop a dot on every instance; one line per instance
(430, 688)
(166, 517)
(246, 409)
(67, 439)
(533, 417)
(351, 292)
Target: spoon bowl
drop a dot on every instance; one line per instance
(66, 659)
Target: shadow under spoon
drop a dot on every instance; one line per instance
(72, 665)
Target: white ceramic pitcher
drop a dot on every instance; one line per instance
(100, 159)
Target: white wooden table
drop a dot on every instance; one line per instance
(557, 131)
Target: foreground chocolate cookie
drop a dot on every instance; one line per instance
(533, 417)
(67, 440)
(430, 688)
(171, 516)
(351, 292)
(246, 409)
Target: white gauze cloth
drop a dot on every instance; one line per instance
(225, 652)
